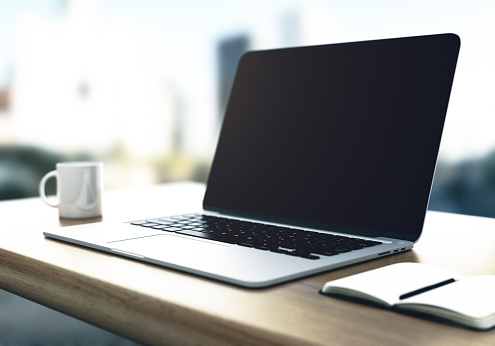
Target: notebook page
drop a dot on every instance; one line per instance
(473, 296)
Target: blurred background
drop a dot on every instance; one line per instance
(142, 86)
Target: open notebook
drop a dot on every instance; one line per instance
(424, 289)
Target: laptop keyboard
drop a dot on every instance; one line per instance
(283, 240)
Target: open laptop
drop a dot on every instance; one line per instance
(326, 158)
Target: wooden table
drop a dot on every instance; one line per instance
(153, 305)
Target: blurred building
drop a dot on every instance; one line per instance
(230, 51)
(4, 101)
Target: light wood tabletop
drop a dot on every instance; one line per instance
(153, 305)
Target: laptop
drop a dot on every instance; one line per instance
(325, 159)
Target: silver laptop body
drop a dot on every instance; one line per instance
(335, 139)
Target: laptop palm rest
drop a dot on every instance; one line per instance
(212, 259)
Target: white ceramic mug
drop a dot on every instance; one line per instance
(79, 189)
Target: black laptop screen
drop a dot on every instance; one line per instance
(341, 137)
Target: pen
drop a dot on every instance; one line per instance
(425, 289)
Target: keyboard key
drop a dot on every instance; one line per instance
(139, 223)
(149, 224)
(170, 229)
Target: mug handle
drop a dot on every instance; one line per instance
(42, 189)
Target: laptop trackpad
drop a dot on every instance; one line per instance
(167, 247)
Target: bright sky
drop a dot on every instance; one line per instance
(181, 38)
